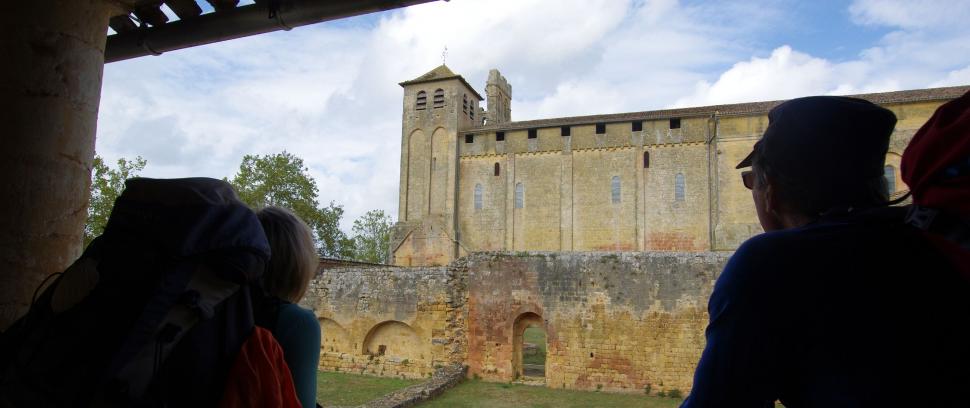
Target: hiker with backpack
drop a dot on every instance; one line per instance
(841, 302)
(292, 265)
(158, 311)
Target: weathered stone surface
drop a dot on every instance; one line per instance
(389, 321)
(614, 321)
(442, 379)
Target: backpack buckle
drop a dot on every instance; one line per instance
(921, 217)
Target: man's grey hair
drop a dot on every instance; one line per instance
(813, 198)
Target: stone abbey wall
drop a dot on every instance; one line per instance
(566, 180)
(614, 321)
(388, 321)
(586, 191)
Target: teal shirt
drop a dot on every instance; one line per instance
(298, 332)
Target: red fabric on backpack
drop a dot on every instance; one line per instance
(260, 377)
(943, 141)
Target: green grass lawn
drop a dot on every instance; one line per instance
(352, 389)
(480, 394)
(535, 336)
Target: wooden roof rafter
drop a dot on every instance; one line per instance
(156, 34)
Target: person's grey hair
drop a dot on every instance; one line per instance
(293, 260)
(814, 199)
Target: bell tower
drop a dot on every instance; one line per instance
(437, 106)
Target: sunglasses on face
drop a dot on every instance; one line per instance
(747, 177)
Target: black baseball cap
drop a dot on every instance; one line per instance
(835, 140)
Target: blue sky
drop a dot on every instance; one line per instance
(328, 92)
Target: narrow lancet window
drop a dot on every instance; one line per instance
(679, 187)
(498, 169)
(519, 196)
(615, 189)
(478, 196)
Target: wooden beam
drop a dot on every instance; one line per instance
(184, 8)
(151, 14)
(221, 5)
(122, 24)
(238, 22)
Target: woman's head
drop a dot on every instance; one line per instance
(294, 259)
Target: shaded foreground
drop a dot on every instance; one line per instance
(343, 389)
(481, 394)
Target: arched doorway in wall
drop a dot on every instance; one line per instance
(529, 347)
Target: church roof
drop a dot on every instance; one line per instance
(441, 73)
(751, 108)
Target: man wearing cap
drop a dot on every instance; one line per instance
(839, 303)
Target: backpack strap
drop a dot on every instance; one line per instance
(940, 223)
(142, 357)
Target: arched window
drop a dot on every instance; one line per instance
(615, 189)
(498, 169)
(519, 195)
(889, 172)
(464, 103)
(478, 196)
(439, 98)
(646, 160)
(679, 187)
(422, 100)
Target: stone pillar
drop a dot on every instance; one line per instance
(50, 87)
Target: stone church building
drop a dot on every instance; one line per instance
(474, 180)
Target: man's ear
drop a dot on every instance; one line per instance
(771, 198)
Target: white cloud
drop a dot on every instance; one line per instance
(928, 48)
(954, 78)
(784, 74)
(910, 14)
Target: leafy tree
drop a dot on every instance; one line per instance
(106, 185)
(372, 232)
(283, 180)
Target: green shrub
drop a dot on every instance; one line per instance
(675, 393)
(647, 388)
(662, 394)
